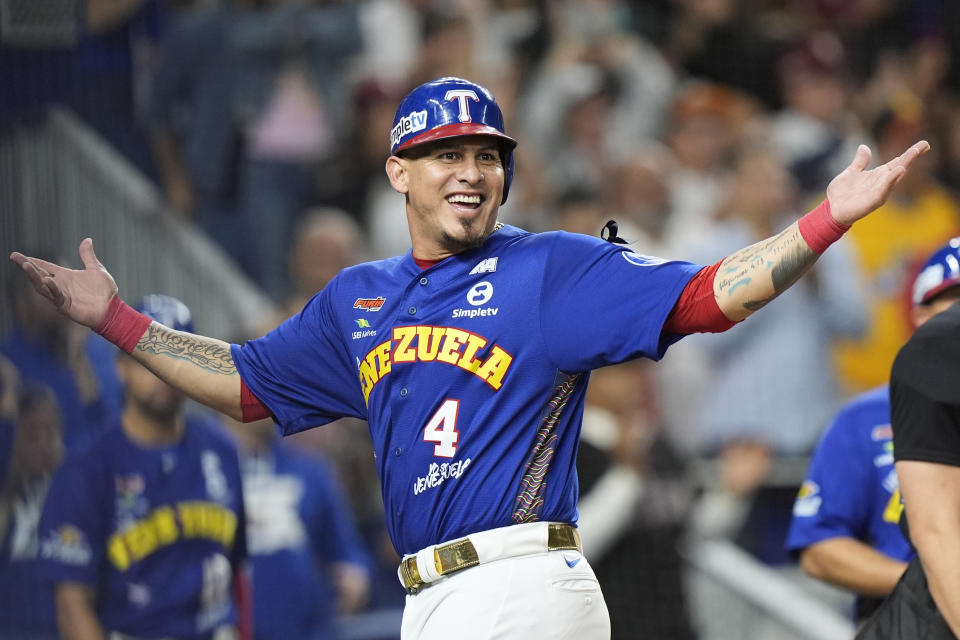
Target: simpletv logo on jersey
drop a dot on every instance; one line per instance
(369, 304)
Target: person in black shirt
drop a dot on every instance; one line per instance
(925, 398)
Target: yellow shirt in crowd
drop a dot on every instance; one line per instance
(889, 246)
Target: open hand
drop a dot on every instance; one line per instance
(856, 191)
(81, 294)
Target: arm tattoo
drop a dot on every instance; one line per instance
(786, 256)
(212, 356)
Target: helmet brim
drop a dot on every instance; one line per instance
(454, 131)
(929, 295)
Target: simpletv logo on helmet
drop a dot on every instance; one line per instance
(416, 121)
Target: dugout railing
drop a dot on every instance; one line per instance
(60, 182)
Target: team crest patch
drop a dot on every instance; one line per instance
(487, 265)
(369, 304)
(68, 545)
(638, 260)
(808, 500)
(882, 432)
(364, 330)
(129, 486)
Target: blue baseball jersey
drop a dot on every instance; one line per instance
(471, 374)
(851, 488)
(298, 524)
(157, 532)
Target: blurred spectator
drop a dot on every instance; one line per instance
(95, 60)
(9, 401)
(920, 216)
(253, 93)
(142, 535)
(814, 133)
(193, 128)
(364, 189)
(76, 363)
(707, 121)
(325, 241)
(950, 141)
(391, 32)
(634, 502)
(599, 92)
(578, 210)
(27, 612)
(785, 352)
(638, 197)
(306, 553)
(291, 104)
(730, 42)
(448, 46)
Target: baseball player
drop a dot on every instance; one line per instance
(143, 534)
(469, 357)
(845, 518)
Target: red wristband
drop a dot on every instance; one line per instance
(123, 325)
(819, 229)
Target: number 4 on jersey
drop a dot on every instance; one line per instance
(442, 429)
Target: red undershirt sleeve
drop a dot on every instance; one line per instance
(251, 406)
(696, 310)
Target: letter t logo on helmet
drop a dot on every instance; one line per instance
(461, 96)
(448, 108)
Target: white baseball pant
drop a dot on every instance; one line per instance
(544, 594)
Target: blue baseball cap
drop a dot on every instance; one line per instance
(940, 272)
(166, 310)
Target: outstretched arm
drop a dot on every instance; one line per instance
(750, 278)
(200, 367)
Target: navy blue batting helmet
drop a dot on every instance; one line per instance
(450, 107)
(940, 272)
(166, 310)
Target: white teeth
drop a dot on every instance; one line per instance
(463, 199)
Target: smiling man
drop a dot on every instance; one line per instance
(473, 362)
(454, 186)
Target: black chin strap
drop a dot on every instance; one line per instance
(609, 233)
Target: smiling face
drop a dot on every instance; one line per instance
(453, 189)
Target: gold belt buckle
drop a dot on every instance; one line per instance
(563, 537)
(447, 558)
(412, 581)
(455, 556)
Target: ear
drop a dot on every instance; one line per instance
(920, 314)
(397, 173)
